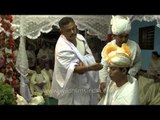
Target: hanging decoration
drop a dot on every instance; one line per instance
(7, 48)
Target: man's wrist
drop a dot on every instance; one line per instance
(88, 68)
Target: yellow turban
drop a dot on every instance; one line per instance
(120, 25)
(117, 56)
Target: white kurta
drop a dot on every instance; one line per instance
(135, 56)
(149, 91)
(49, 73)
(72, 88)
(38, 79)
(124, 95)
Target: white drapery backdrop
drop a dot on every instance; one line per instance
(98, 25)
(33, 25)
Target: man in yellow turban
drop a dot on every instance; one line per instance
(120, 27)
(123, 88)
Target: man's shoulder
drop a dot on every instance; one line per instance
(132, 41)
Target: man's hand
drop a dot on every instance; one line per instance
(102, 86)
(95, 67)
(82, 68)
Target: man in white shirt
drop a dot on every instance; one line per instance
(75, 78)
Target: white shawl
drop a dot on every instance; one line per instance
(65, 81)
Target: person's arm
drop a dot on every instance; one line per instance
(81, 68)
(137, 63)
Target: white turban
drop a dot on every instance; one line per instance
(120, 25)
(117, 56)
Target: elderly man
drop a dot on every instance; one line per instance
(120, 27)
(123, 88)
(75, 77)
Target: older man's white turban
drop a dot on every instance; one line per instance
(120, 24)
(117, 56)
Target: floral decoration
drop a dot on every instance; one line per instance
(7, 47)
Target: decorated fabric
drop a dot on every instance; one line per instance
(120, 25)
(117, 56)
(22, 60)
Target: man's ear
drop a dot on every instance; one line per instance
(124, 70)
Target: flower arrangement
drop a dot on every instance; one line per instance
(7, 96)
(7, 47)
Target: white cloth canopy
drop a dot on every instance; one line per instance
(99, 25)
(33, 25)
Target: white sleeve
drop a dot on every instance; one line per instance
(137, 63)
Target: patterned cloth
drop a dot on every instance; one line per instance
(118, 56)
